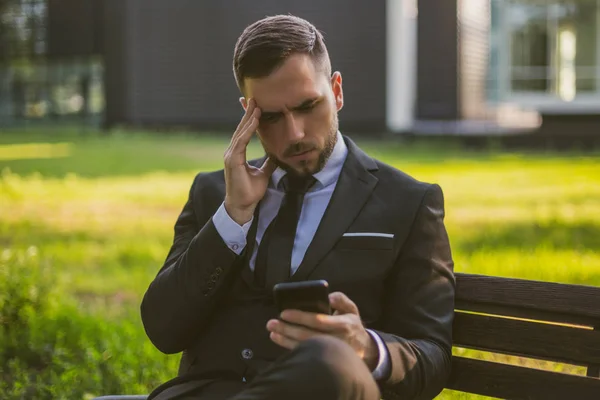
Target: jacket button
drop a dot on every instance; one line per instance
(218, 270)
(247, 354)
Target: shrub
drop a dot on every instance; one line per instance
(51, 349)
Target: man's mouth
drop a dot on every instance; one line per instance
(301, 154)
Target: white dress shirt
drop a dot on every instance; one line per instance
(313, 208)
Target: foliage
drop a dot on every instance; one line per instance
(51, 349)
(88, 228)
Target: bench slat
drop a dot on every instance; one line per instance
(511, 382)
(594, 369)
(527, 313)
(530, 339)
(549, 301)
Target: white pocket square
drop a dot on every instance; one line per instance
(369, 234)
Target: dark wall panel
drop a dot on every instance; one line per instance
(576, 126)
(437, 60)
(181, 58)
(117, 76)
(74, 28)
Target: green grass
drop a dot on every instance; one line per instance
(97, 213)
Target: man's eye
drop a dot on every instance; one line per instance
(269, 118)
(307, 109)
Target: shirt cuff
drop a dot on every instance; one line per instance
(382, 370)
(231, 232)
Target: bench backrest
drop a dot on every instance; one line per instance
(539, 320)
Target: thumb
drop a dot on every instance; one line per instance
(268, 167)
(342, 304)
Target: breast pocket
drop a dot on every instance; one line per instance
(365, 242)
(359, 265)
(364, 256)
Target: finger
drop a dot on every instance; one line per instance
(283, 341)
(236, 153)
(342, 304)
(248, 112)
(252, 124)
(268, 166)
(243, 122)
(251, 111)
(295, 332)
(317, 322)
(240, 142)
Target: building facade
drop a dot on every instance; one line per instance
(170, 63)
(429, 67)
(155, 63)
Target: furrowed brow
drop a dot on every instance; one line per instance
(307, 103)
(270, 114)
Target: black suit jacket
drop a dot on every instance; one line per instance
(200, 302)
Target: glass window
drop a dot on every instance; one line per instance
(22, 28)
(575, 58)
(529, 47)
(552, 46)
(36, 87)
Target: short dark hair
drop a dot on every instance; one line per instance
(265, 45)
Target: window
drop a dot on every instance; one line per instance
(548, 48)
(34, 86)
(22, 28)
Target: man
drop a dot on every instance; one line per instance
(316, 207)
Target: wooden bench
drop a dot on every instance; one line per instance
(539, 320)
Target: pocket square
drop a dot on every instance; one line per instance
(366, 241)
(368, 234)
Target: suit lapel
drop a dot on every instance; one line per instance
(353, 189)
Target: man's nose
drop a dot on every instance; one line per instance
(294, 127)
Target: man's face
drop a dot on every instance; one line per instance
(299, 106)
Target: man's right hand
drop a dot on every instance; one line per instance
(245, 185)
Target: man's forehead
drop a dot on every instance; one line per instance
(282, 103)
(278, 98)
(287, 87)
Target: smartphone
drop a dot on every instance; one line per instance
(310, 296)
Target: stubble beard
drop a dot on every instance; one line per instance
(324, 154)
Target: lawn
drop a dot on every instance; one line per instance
(86, 221)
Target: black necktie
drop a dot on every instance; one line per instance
(274, 258)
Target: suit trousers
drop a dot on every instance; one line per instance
(320, 368)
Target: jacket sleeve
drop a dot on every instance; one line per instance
(186, 290)
(420, 307)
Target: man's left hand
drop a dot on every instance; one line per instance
(297, 326)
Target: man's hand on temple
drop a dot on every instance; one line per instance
(245, 185)
(297, 326)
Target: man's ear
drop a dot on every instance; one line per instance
(243, 102)
(338, 93)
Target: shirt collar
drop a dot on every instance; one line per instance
(330, 172)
